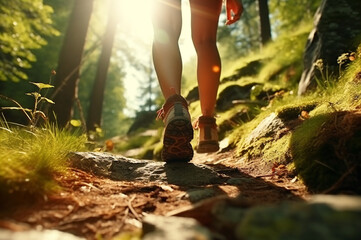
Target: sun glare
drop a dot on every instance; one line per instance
(135, 22)
(136, 19)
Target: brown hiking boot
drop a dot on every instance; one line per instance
(178, 131)
(208, 135)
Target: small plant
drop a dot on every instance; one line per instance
(345, 58)
(326, 79)
(34, 114)
(30, 159)
(325, 76)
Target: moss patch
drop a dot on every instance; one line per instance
(293, 111)
(327, 151)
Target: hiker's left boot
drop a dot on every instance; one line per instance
(178, 131)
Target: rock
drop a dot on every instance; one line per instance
(339, 202)
(37, 235)
(175, 228)
(250, 69)
(336, 26)
(117, 167)
(195, 195)
(293, 221)
(231, 93)
(238, 181)
(322, 217)
(267, 128)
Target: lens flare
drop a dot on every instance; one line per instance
(216, 69)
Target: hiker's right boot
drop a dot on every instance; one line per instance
(208, 135)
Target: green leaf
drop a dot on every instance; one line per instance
(98, 130)
(34, 94)
(75, 123)
(42, 85)
(47, 100)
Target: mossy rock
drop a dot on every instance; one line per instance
(261, 92)
(251, 68)
(231, 93)
(265, 140)
(298, 221)
(244, 113)
(288, 113)
(327, 152)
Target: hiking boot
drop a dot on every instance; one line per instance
(178, 131)
(208, 135)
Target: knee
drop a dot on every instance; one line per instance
(166, 29)
(165, 35)
(203, 42)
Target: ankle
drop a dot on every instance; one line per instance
(175, 98)
(170, 104)
(208, 121)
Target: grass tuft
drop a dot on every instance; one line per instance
(29, 159)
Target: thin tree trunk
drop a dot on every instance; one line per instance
(66, 81)
(97, 97)
(265, 26)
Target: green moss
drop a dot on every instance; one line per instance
(293, 110)
(278, 150)
(325, 147)
(298, 221)
(239, 135)
(276, 145)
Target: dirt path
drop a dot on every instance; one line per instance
(92, 206)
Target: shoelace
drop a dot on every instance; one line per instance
(195, 124)
(160, 114)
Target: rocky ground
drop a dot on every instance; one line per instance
(216, 196)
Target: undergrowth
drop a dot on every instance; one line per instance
(317, 134)
(29, 159)
(31, 155)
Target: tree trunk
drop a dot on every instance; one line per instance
(337, 30)
(265, 26)
(97, 97)
(67, 77)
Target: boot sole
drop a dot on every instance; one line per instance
(176, 141)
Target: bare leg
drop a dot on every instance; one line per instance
(205, 15)
(167, 23)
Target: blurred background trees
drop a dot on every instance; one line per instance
(24, 25)
(33, 34)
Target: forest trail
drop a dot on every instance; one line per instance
(90, 205)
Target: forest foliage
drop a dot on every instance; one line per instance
(36, 29)
(24, 26)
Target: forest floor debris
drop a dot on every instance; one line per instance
(91, 206)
